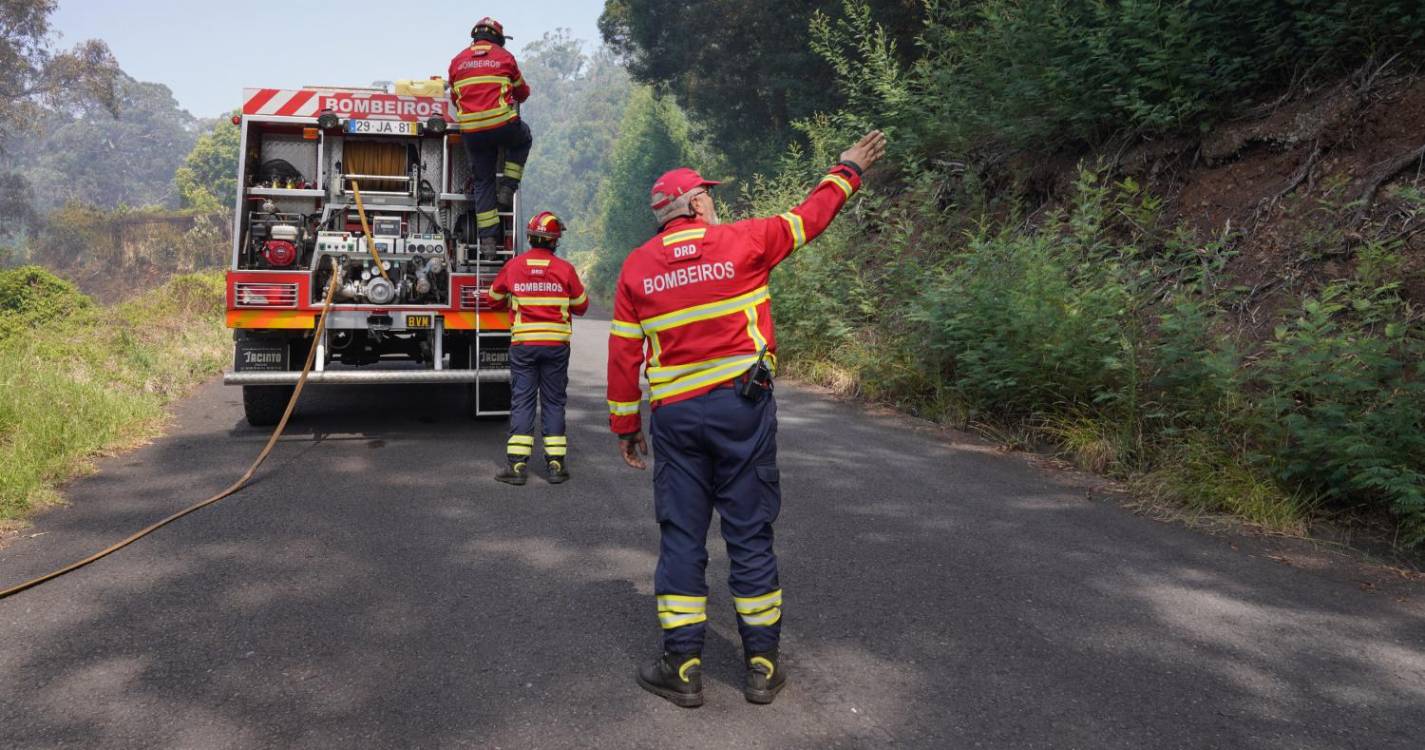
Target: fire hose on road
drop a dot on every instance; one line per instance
(232, 489)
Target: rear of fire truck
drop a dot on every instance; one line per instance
(363, 189)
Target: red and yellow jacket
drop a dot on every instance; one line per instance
(542, 291)
(694, 301)
(485, 85)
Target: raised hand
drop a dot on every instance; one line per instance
(867, 151)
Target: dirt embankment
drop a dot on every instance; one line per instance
(1300, 186)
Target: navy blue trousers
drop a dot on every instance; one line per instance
(717, 450)
(539, 378)
(482, 150)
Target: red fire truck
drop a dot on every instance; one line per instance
(365, 189)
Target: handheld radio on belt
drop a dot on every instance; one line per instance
(757, 381)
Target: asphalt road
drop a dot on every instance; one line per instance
(375, 588)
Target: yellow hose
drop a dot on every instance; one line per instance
(232, 489)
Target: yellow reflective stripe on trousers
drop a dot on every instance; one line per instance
(556, 445)
(705, 312)
(556, 439)
(840, 182)
(624, 329)
(520, 445)
(623, 408)
(759, 610)
(514, 171)
(750, 604)
(797, 227)
(726, 370)
(487, 219)
(676, 610)
(687, 235)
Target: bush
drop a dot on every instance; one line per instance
(1343, 407)
(88, 378)
(1040, 73)
(1019, 329)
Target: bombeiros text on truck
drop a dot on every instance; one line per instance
(364, 188)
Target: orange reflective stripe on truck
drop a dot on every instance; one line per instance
(465, 321)
(290, 319)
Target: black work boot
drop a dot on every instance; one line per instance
(558, 473)
(764, 678)
(505, 194)
(513, 474)
(677, 677)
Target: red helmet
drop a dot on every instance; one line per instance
(546, 225)
(491, 24)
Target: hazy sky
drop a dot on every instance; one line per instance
(207, 52)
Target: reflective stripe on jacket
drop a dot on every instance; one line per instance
(542, 291)
(692, 307)
(485, 85)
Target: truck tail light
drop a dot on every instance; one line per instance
(264, 294)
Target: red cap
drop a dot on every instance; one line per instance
(676, 184)
(546, 225)
(491, 23)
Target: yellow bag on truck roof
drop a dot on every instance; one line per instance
(434, 87)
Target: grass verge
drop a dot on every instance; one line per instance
(78, 380)
(1189, 477)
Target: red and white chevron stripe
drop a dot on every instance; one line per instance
(356, 105)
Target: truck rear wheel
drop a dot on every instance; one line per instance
(263, 404)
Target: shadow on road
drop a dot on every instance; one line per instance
(375, 589)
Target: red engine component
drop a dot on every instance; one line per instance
(279, 253)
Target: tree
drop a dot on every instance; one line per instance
(208, 178)
(85, 153)
(33, 75)
(17, 209)
(653, 139)
(741, 68)
(575, 112)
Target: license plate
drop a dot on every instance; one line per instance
(382, 127)
(419, 321)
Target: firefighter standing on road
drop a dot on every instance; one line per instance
(696, 295)
(542, 291)
(486, 86)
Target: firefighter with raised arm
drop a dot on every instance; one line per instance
(486, 87)
(542, 291)
(695, 300)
